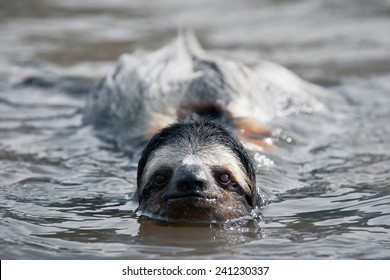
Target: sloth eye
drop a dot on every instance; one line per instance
(161, 176)
(224, 178)
(160, 179)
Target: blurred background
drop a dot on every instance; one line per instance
(319, 39)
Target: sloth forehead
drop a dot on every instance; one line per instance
(212, 156)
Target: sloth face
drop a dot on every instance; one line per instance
(195, 171)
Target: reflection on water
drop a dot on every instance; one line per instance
(66, 194)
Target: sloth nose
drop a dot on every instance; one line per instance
(190, 179)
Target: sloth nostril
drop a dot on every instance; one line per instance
(190, 179)
(190, 185)
(190, 182)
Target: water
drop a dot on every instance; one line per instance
(65, 193)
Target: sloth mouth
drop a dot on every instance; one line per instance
(191, 197)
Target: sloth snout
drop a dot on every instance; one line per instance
(190, 179)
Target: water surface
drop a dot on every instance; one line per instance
(65, 193)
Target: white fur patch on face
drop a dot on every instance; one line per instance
(213, 156)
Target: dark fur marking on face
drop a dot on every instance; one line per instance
(227, 181)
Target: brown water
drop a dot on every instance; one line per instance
(64, 193)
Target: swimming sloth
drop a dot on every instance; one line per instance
(196, 171)
(195, 113)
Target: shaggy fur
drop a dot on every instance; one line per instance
(165, 96)
(207, 149)
(147, 91)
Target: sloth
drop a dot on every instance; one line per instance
(196, 171)
(195, 116)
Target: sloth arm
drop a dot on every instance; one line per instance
(252, 131)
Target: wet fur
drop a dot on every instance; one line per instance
(149, 91)
(200, 144)
(165, 95)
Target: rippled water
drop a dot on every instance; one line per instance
(64, 193)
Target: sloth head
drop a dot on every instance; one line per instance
(196, 171)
